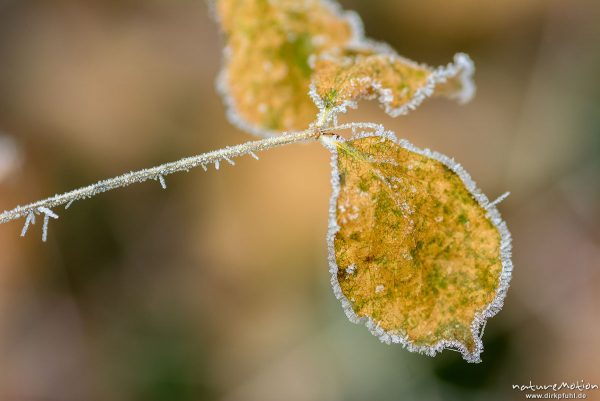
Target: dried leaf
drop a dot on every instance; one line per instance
(267, 73)
(417, 253)
(400, 85)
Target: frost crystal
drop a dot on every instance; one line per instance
(47, 214)
(253, 155)
(499, 199)
(30, 219)
(163, 184)
(482, 329)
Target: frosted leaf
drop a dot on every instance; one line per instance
(398, 84)
(418, 280)
(266, 72)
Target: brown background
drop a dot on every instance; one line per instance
(218, 288)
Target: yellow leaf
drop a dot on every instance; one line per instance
(266, 73)
(399, 85)
(417, 252)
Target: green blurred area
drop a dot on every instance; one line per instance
(218, 289)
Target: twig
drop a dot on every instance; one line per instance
(228, 153)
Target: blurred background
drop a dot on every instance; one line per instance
(217, 289)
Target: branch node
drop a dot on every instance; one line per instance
(47, 212)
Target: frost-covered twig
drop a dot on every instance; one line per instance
(499, 199)
(158, 172)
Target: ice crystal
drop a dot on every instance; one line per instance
(47, 214)
(163, 183)
(500, 199)
(30, 219)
